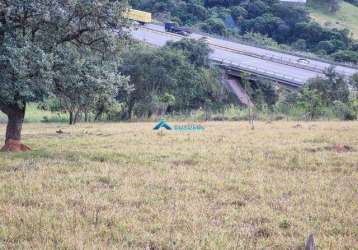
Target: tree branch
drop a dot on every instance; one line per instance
(75, 35)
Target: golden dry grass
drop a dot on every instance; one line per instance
(124, 186)
(345, 18)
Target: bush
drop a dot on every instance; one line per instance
(216, 26)
(300, 44)
(346, 56)
(343, 111)
(327, 46)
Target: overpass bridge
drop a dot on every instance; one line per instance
(286, 69)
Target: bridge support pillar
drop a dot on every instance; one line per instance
(234, 86)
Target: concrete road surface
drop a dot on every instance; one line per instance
(263, 61)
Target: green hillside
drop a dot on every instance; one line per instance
(346, 17)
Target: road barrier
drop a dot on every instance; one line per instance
(267, 57)
(285, 79)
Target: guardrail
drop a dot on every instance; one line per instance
(270, 57)
(300, 54)
(273, 58)
(288, 80)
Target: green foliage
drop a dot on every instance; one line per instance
(327, 46)
(265, 93)
(354, 82)
(175, 78)
(344, 111)
(311, 103)
(331, 88)
(216, 26)
(196, 51)
(346, 56)
(300, 44)
(332, 97)
(32, 32)
(25, 72)
(84, 80)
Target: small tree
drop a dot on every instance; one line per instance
(344, 111)
(333, 87)
(84, 80)
(311, 103)
(196, 51)
(354, 82)
(354, 99)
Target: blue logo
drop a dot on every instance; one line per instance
(181, 128)
(162, 124)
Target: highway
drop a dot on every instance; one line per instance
(274, 65)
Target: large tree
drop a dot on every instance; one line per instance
(31, 31)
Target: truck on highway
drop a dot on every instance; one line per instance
(141, 17)
(173, 28)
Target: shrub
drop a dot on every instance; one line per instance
(346, 56)
(343, 111)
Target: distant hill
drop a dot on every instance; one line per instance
(345, 17)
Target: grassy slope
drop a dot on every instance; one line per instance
(121, 186)
(346, 17)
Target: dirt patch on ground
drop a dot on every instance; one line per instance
(338, 148)
(14, 146)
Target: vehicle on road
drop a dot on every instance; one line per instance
(138, 16)
(174, 28)
(303, 61)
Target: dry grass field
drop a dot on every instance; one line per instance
(345, 18)
(124, 186)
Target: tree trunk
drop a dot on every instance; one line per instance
(100, 110)
(130, 112)
(16, 117)
(77, 115)
(130, 109)
(71, 118)
(98, 116)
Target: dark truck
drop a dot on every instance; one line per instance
(173, 28)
